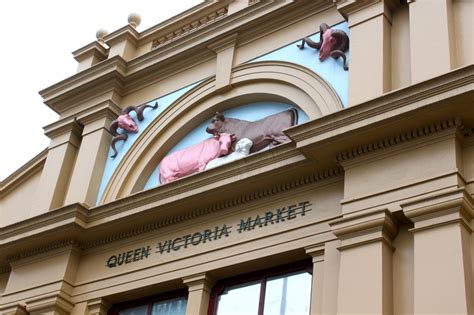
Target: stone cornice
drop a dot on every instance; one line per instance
(452, 93)
(187, 29)
(23, 173)
(127, 32)
(20, 240)
(116, 73)
(184, 18)
(348, 7)
(103, 76)
(401, 138)
(93, 49)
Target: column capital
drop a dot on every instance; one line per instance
(98, 306)
(55, 303)
(349, 7)
(201, 281)
(13, 309)
(316, 251)
(365, 227)
(63, 131)
(455, 206)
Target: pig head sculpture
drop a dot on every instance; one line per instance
(261, 132)
(332, 43)
(194, 158)
(126, 122)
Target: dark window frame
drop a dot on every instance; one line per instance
(150, 300)
(258, 276)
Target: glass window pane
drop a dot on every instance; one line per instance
(239, 300)
(170, 307)
(288, 295)
(139, 310)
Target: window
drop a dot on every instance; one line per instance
(281, 291)
(173, 303)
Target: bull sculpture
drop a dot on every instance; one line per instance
(332, 43)
(127, 123)
(268, 130)
(194, 158)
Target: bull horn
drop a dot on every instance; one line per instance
(120, 137)
(113, 128)
(141, 108)
(128, 109)
(342, 38)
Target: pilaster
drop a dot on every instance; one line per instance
(432, 47)
(52, 188)
(317, 252)
(123, 42)
(370, 47)
(365, 278)
(224, 49)
(200, 286)
(92, 155)
(442, 231)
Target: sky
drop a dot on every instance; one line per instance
(38, 38)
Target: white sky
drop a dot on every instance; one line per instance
(37, 39)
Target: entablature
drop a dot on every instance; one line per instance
(124, 75)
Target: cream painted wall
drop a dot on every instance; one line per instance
(463, 11)
(397, 169)
(400, 36)
(16, 205)
(403, 271)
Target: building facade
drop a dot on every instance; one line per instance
(362, 202)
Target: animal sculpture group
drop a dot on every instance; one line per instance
(250, 136)
(332, 43)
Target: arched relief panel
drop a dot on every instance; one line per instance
(251, 83)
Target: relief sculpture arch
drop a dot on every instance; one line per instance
(254, 82)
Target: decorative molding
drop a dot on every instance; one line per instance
(83, 215)
(93, 49)
(189, 28)
(263, 193)
(362, 228)
(252, 2)
(43, 249)
(316, 251)
(398, 139)
(57, 303)
(199, 282)
(98, 306)
(14, 309)
(355, 120)
(448, 207)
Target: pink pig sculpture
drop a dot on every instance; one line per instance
(194, 158)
